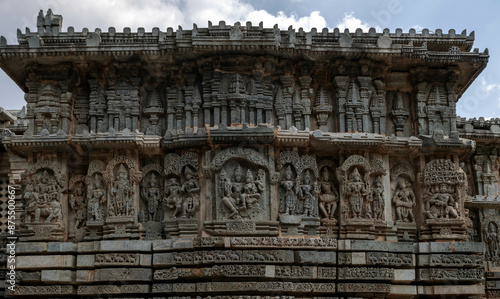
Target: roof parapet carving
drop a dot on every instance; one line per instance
(246, 36)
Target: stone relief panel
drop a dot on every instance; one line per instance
(181, 198)
(436, 111)
(49, 105)
(241, 180)
(293, 105)
(153, 111)
(491, 239)
(97, 197)
(298, 192)
(360, 104)
(323, 109)
(400, 114)
(98, 108)
(403, 196)
(151, 208)
(362, 199)
(487, 171)
(123, 97)
(123, 178)
(234, 99)
(43, 194)
(443, 200)
(184, 108)
(78, 207)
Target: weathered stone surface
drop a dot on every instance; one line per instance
(43, 262)
(159, 167)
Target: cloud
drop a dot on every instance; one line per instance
(157, 13)
(352, 23)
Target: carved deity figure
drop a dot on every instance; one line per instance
(356, 194)
(77, 202)
(492, 240)
(307, 195)
(377, 198)
(404, 201)
(191, 188)
(122, 193)
(96, 196)
(441, 204)
(289, 194)
(240, 197)
(173, 199)
(152, 196)
(328, 196)
(43, 199)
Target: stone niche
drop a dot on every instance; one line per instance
(298, 192)
(403, 201)
(43, 200)
(151, 208)
(444, 191)
(181, 199)
(123, 178)
(240, 188)
(362, 199)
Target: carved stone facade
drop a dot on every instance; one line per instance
(277, 167)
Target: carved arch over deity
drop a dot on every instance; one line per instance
(491, 238)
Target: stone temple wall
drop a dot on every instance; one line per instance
(248, 162)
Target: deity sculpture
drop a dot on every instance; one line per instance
(43, 199)
(240, 197)
(441, 204)
(173, 199)
(95, 197)
(122, 193)
(77, 203)
(492, 240)
(289, 197)
(307, 195)
(328, 196)
(191, 188)
(404, 201)
(356, 193)
(152, 196)
(377, 198)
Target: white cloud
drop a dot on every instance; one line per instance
(157, 13)
(352, 23)
(487, 87)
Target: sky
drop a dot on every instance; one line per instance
(481, 99)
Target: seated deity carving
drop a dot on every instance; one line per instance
(240, 197)
(356, 195)
(441, 204)
(328, 196)
(43, 199)
(404, 201)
